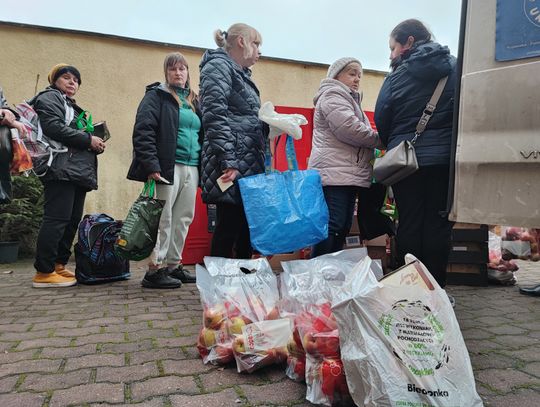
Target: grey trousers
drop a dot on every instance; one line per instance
(177, 215)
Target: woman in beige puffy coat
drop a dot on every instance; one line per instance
(343, 143)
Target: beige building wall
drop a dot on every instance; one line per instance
(114, 74)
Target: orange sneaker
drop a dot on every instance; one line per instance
(44, 280)
(63, 271)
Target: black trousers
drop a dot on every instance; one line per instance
(63, 209)
(424, 229)
(231, 236)
(371, 222)
(340, 201)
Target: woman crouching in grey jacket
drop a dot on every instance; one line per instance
(343, 143)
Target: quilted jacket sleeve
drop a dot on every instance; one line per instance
(51, 110)
(383, 112)
(215, 90)
(345, 124)
(145, 132)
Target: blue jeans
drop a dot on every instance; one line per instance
(340, 201)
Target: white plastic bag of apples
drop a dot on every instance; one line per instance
(400, 340)
(240, 302)
(307, 288)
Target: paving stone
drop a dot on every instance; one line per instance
(6, 346)
(225, 398)
(480, 346)
(218, 379)
(177, 342)
(101, 338)
(521, 398)
(72, 332)
(45, 382)
(475, 333)
(42, 343)
(14, 328)
(127, 347)
(151, 333)
(529, 354)
(107, 359)
(505, 380)
(104, 321)
(515, 341)
(22, 336)
(491, 360)
(13, 356)
(155, 402)
(532, 369)
(157, 354)
(7, 384)
(88, 393)
(126, 374)
(163, 385)
(174, 323)
(138, 326)
(506, 330)
(26, 366)
(276, 393)
(54, 325)
(148, 317)
(22, 399)
(185, 367)
(485, 322)
(68, 352)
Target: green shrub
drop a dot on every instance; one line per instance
(21, 218)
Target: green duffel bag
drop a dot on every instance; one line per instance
(138, 235)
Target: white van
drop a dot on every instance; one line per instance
(497, 131)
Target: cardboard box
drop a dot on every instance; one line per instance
(276, 259)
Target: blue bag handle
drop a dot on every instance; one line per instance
(290, 154)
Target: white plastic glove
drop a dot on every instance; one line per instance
(282, 123)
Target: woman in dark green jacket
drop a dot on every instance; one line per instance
(166, 148)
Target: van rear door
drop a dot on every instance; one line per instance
(497, 140)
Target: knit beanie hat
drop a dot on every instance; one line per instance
(338, 66)
(60, 69)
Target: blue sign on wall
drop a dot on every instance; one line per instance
(518, 29)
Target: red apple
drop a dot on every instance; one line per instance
(332, 377)
(214, 317)
(234, 325)
(309, 343)
(232, 310)
(328, 345)
(207, 337)
(238, 345)
(300, 368)
(224, 354)
(273, 314)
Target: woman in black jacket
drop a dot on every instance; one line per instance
(234, 144)
(70, 176)
(167, 141)
(418, 64)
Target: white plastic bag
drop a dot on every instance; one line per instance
(249, 293)
(400, 341)
(282, 123)
(307, 288)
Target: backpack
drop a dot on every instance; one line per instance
(95, 258)
(42, 149)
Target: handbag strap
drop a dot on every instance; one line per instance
(430, 108)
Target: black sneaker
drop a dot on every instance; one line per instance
(160, 279)
(182, 275)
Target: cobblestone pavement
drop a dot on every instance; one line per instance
(119, 344)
